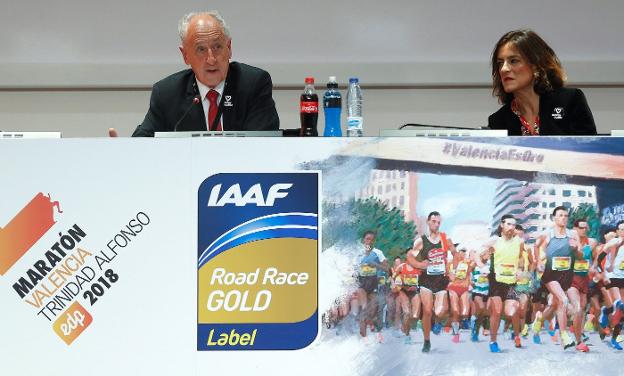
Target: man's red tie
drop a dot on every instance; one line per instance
(212, 111)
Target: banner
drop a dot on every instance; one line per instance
(266, 255)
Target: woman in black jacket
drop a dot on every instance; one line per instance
(528, 80)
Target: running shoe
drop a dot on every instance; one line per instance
(613, 343)
(584, 337)
(437, 328)
(552, 327)
(525, 331)
(408, 340)
(455, 329)
(494, 347)
(537, 324)
(603, 320)
(380, 337)
(536, 339)
(589, 326)
(474, 335)
(426, 346)
(566, 340)
(465, 324)
(619, 305)
(620, 338)
(582, 347)
(517, 341)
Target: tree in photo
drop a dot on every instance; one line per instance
(347, 222)
(590, 213)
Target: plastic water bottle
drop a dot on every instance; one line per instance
(354, 109)
(332, 103)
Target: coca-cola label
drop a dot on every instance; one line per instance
(309, 107)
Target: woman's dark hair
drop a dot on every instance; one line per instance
(549, 74)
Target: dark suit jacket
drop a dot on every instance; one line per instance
(250, 90)
(563, 112)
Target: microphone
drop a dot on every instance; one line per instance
(196, 100)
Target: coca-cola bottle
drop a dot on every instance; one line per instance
(309, 109)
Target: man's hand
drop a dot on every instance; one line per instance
(112, 132)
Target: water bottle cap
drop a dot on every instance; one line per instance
(309, 80)
(353, 80)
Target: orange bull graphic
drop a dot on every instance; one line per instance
(25, 229)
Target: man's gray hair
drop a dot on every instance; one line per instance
(186, 19)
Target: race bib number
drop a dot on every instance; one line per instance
(382, 280)
(437, 264)
(411, 281)
(436, 267)
(398, 281)
(462, 270)
(561, 263)
(581, 265)
(483, 279)
(367, 271)
(507, 270)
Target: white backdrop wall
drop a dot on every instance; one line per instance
(82, 66)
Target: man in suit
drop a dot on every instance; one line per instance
(215, 94)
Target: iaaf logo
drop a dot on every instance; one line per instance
(254, 196)
(228, 101)
(257, 260)
(25, 229)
